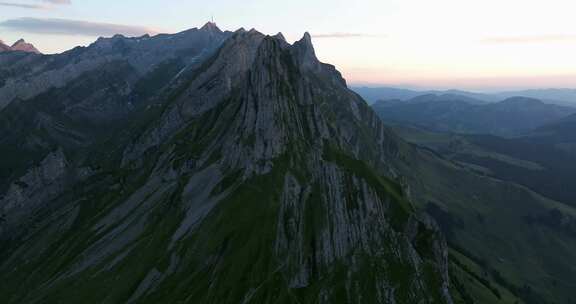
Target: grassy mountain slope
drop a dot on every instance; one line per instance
(517, 235)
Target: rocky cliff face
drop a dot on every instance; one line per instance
(245, 179)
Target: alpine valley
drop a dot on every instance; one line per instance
(211, 166)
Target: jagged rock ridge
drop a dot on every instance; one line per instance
(241, 181)
(25, 77)
(78, 97)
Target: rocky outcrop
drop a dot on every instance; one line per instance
(34, 190)
(48, 173)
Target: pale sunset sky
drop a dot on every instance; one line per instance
(462, 44)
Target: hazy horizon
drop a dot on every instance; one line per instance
(471, 89)
(471, 46)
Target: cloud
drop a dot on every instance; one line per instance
(36, 6)
(73, 27)
(530, 39)
(345, 35)
(65, 2)
(21, 5)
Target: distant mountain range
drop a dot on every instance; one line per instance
(566, 97)
(374, 94)
(556, 96)
(461, 114)
(20, 45)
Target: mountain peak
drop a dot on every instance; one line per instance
(305, 50)
(23, 46)
(210, 26)
(280, 36)
(20, 41)
(306, 42)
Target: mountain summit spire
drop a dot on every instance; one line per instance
(211, 26)
(305, 51)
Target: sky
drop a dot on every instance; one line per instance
(486, 45)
